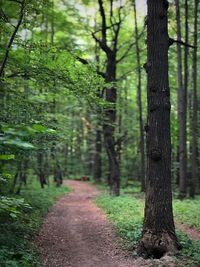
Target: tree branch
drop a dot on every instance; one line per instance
(103, 46)
(126, 53)
(172, 41)
(103, 17)
(5, 58)
(131, 45)
(85, 62)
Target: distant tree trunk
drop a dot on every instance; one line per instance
(58, 178)
(194, 181)
(97, 157)
(180, 78)
(119, 141)
(41, 171)
(66, 161)
(110, 95)
(158, 237)
(109, 126)
(139, 86)
(183, 113)
(97, 165)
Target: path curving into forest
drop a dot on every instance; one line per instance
(76, 233)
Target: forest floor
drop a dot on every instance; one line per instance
(76, 233)
(191, 232)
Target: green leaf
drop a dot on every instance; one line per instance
(7, 157)
(19, 143)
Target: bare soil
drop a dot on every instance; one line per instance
(76, 233)
(192, 233)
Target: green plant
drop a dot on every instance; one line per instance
(16, 245)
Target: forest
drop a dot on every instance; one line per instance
(99, 133)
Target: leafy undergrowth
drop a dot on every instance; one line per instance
(16, 246)
(187, 211)
(126, 213)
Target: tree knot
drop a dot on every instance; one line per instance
(155, 154)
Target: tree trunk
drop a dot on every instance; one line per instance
(158, 237)
(109, 127)
(41, 171)
(141, 124)
(97, 157)
(58, 178)
(183, 117)
(180, 87)
(194, 181)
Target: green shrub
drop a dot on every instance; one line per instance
(16, 246)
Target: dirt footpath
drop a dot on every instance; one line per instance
(76, 233)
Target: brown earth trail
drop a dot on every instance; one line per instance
(76, 233)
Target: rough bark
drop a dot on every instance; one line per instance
(194, 181)
(139, 88)
(158, 237)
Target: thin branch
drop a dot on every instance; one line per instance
(5, 58)
(126, 53)
(172, 41)
(124, 76)
(131, 45)
(85, 62)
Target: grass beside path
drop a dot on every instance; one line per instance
(16, 245)
(126, 213)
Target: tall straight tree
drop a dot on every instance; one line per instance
(97, 165)
(158, 237)
(139, 88)
(182, 177)
(183, 117)
(194, 181)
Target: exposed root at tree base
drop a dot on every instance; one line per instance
(157, 245)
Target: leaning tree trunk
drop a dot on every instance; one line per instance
(158, 237)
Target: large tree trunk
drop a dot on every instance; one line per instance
(141, 124)
(158, 237)
(194, 180)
